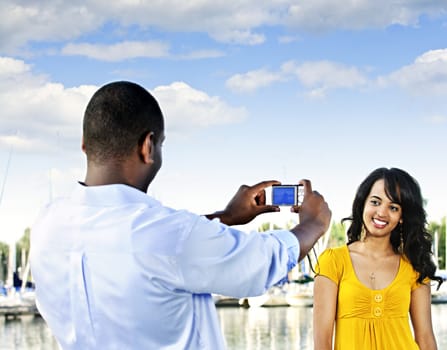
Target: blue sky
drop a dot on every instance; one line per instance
(251, 90)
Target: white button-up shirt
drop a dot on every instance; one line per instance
(114, 269)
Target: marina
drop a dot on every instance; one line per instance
(18, 304)
(280, 319)
(254, 328)
(294, 294)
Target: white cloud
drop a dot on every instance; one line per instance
(10, 67)
(20, 142)
(437, 119)
(239, 21)
(35, 110)
(433, 56)
(118, 51)
(317, 77)
(320, 76)
(133, 49)
(200, 54)
(287, 39)
(225, 21)
(186, 108)
(323, 15)
(238, 36)
(427, 75)
(42, 116)
(46, 20)
(38, 116)
(252, 80)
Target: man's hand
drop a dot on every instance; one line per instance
(247, 203)
(315, 217)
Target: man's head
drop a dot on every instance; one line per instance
(119, 119)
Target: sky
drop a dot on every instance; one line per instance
(251, 90)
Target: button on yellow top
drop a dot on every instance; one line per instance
(378, 298)
(377, 311)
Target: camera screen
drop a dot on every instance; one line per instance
(284, 195)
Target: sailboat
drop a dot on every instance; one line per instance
(439, 296)
(18, 298)
(275, 296)
(300, 287)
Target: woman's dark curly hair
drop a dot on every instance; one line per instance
(404, 190)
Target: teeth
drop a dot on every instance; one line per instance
(379, 222)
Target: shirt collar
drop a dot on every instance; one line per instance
(111, 195)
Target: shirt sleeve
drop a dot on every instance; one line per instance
(292, 244)
(216, 258)
(416, 284)
(329, 266)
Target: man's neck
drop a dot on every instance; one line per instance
(100, 175)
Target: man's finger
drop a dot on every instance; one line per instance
(307, 185)
(264, 184)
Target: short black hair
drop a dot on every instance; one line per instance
(117, 119)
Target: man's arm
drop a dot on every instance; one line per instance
(315, 217)
(249, 202)
(246, 204)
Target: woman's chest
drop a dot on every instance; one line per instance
(356, 300)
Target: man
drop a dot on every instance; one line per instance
(114, 269)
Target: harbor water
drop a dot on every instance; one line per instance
(258, 328)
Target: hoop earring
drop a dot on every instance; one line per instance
(400, 249)
(363, 234)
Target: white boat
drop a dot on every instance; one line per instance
(275, 296)
(17, 303)
(300, 288)
(439, 296)
(295, 293)
(222, 300)
(300, 294)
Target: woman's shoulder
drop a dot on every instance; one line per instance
(335, 253)
(332, 262)
(407, 269)
(340, 250)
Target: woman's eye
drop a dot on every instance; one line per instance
(393, 208)
(374, 202)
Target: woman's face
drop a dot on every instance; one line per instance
(380, 214)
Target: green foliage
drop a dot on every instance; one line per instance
(22, 246)
(337, 235)
(269, 226)
(4, 253)
(265, 226)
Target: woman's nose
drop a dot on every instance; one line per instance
(381, 212)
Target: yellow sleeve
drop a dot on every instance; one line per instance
(416, 284)
(415, 275)
(329, 265)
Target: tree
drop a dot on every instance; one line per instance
(22, 250)
(337, 235)
(4, 254)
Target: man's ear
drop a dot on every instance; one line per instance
(147, 147)
(82, 144)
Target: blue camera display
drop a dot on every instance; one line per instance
(284, 195)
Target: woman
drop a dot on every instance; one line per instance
(368, 287)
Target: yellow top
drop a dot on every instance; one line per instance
(369, 319)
